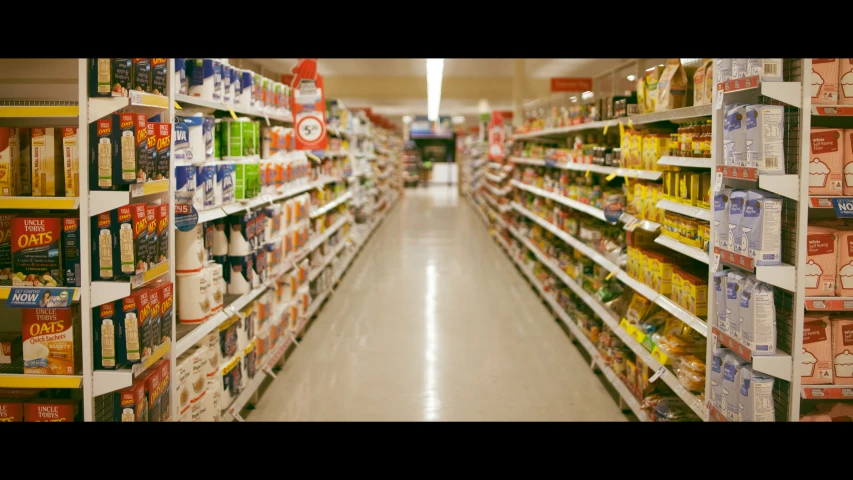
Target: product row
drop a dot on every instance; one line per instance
(739, 393)
(39, 162)
(128, 148)
(130, 240)
(831, 162)
(40, 251)
(214, 80)
(687, 230)
(682, 280)
(117, 77)
(829, 259)
(128, 330)
(832, 81)
(746, 311)
(748, 222)
(31, 405)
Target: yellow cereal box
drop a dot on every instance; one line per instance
(51, 342)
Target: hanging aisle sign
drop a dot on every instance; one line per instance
(309, 106)
(496, 137)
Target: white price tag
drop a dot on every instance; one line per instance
(135, 97)
(267, 119)
(657, 374)
(138, 280)
(137, 189)
(719, 104)
(718, 181)
(715, 262)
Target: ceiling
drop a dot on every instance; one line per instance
(394, 87)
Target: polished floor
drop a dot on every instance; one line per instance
(434, 323)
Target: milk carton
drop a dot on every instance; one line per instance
(737, 200)
(734, 285)
(721, 219)
(761, 228)
(758, 314)
(734, 135)
(717, 376)
(755, 396)
(732, 366)
(764, 130)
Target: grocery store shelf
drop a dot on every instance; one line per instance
(691, 320)
(319, 239)
(716, 415)
(104, 201)
(331, 205)
(106, 381)
(778, 365)
(632, 223)
(828, 392)
(786, 92)
(495, 165)
(786, 185)
(38, 113)
(316, 271)
(148, 103)
(679, 114)
(537, 162)
(584, 167)
(264, 199)
(106, 291)
(497, 191)
(21, 380)
(833, 110)
(613, 322)
(577, 333)
(241, 110)
(496, 178)
(782, 276)
(686, 210)
(39, 203)
(198, 332)
(683, 248)
(501, 207)
(829, 304)
(687, 162)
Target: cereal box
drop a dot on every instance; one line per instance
(140, 77)
(153, 250)
(151, 379)
(166, 316)
(104, 335)
(102, 145)
(7, 187)
(126, 155)
(159, 68)
(71, 161)
(100, 77)
(105, 250)
(121, 72)
(162, 233)
(6, 249)
(132, 221)
(128, 338)
(144, 322)
(140, 131)
(19, 150)
(10, 348)
(131, 404)
(165, 390)
(152, 163)
(71, 251)
(51, 410)
(11, 411)
(163, 143)
(51, 340)
(47, 163)
(36, 252)
(153, 340)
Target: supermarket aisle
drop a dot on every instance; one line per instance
(433, 322)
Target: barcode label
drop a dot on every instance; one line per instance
(771, 162)
(770, 68)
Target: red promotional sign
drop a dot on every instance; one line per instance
(309, 106)
(496, 137)
(571, 84)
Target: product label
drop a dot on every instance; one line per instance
(36, 252)
(159, 67)
(142, 74)
(121, 77)
(814, 332)
(825, 142)
(820, 244)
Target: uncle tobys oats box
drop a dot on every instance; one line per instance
(51, 343)
(36, 252)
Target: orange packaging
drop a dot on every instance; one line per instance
(51, 344)
(50, 410)
(131, 404)
(824, 87)
(816, 356)
(164, 389)
(842, 349)
(845, 81)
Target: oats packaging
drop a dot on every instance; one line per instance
(105, 335)
(11, 411)
(71, 161)
(153, 340)
(36, 252)
(71, 251)
(48, 169)
(106, 263)
(163, 143)
(100, 77)
(130, 404)
(126, 159)
(162, 233)
(6, 271)
(151, 379)
(127, 321)
(141, 75)
(103, 148)
(121, 77)
(153, 242)
(132, 221)
(51, 340)
(51, 410)
(152, 163)
(144, 321)
(165, 390)
(159, 67)
(166, 316)
(140, 131)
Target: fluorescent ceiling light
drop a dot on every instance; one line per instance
(587, 95)
(407, 119)
(573, 99)
(457, 120)
(631, 78)
(435, 70)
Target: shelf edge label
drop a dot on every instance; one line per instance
(37, 297)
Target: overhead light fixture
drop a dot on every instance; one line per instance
(435, 70)
(631, 78)
(573, 99)
(587, 95)
(689, 60)
(407, 119)
(458, 120)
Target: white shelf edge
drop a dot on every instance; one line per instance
(688, 162)
(329, 206)
(785, 185)
(686, 210)
(222, 107)
(682, 248)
